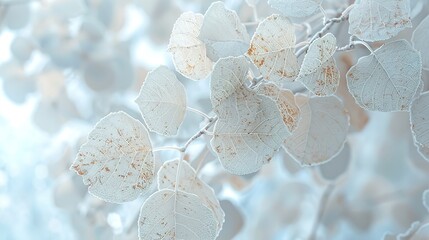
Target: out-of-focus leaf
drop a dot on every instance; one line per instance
(420, 41)
(419, 117)
(296, 8)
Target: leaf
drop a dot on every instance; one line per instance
(250, 128)
(420, 39)
(272, 48)
(419, 117)
(321, 132)
(339, 164)
(190, 183)
(167, 214)
(189, 52)
(387, 79)
(375, 20)
(285, 101)
(117, 161)
(223, 33)
(162, 101)
(296, 8)
(319, 72)
(425, 199)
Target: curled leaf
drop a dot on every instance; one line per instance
(387, 79)
(117, 161)
(272, 48)
(162, 101)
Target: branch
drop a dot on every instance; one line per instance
(327, 25)
(199, 133)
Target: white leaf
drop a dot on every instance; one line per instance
(250, 128)
(375, 20)
(190, 183)
(117, 161)
(272, 48)
(296, 8)
(167, 214)
(285, 101)
(223, 32)
(426, 199)
(387, 79)
(189, 52)
(321, 132)
(319, 72)
(162, 101)
(419, 116)
(420, 41)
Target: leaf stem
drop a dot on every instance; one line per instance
(198, 112)
(322, 206)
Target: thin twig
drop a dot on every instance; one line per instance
(199, 133)
(322, 206)
(198, 112)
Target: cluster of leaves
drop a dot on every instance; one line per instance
(253, 117)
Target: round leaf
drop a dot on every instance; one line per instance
(167, 214)
(387, 79)
(321, 132)
(272, 48)
(117, 161)
(162, 101)
(189, 52)
(374, 20)
(319, 72)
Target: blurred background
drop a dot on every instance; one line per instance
(65, 64)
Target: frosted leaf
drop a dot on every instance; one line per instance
(189, 52)
(223, 32)
(167, 214)
(419, 116)
(190, 183)
(116, 161)
(162, 101)
(272, 48)
(234, 221)
(250, 128)
(375, 20)
(420, 41)
(321, 131)
(387, 79)
(319, 72)
(228, 77)
(285, 101)
(296, 8)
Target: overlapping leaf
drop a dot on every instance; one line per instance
(167, 214)
(419, 113)
(387, 79)
(374, 20)
(250, 128)
(321, 132)
(189, 52)
(116, 161)
(296, 8)
(190, 183)
(223, 32)
(420, 41)
(272, 48)
(162, 101)
(285, 101)
(319, 72)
